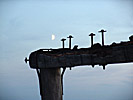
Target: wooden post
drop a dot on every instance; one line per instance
(51, 84)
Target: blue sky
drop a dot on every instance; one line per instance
(27, 25)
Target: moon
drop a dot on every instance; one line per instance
(53, 37)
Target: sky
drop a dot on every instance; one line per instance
(27, 25)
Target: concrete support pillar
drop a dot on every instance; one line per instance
(51, 84)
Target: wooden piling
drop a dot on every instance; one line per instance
(51, 84)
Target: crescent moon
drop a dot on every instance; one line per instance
(53, 37)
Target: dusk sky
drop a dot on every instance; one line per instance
(27, 25)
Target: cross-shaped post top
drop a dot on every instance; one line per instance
(70, 36)
(63, 42)
(102, 31)
(63, 39)
(92, 34)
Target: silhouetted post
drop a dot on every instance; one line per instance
(70, 37)
(102, 31)
(26, 60)
(63, 44)
(91, 35)
(51, 84)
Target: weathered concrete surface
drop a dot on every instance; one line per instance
(51, 84)
(122, 53)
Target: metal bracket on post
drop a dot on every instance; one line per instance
(26, 60)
